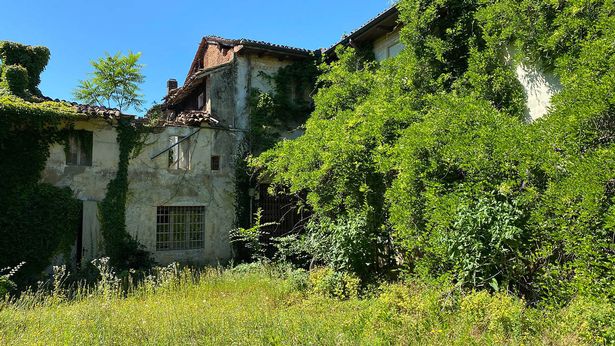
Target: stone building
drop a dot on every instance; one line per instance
(181, 198)
(181, 195)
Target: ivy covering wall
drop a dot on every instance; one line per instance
(37, 220)
(431, 150)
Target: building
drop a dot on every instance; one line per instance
(181, 198)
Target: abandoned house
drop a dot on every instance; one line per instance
(181, 197)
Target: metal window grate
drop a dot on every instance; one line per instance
(180, 228)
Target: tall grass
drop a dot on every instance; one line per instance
(266, 305)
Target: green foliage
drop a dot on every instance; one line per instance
(115, 82)
(252, 238)
(33, 58)
(38, 220)
(257, 304)
(285, 107)
(577, 219)
(331, 283)
(433, 149)
(14, 78)
(124, 251)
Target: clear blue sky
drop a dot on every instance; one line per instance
(167, 33)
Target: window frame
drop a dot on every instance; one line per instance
(80, 144)
(180, 228)
(215, 163)
(180, 155)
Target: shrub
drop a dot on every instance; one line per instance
(335, 284)
(33, 58)
(15, 79)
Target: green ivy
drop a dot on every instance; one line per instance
(123, 250)
(38, 220)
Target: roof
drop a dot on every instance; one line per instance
(93, 111)
(259, 45)
(191, 118)
(385, 21)
(193, 81)
(248, 46)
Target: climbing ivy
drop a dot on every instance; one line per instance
(123, 250)
(38, 220)
(287, 105)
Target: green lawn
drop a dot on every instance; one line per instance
(260, 308)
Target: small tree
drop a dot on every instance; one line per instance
(115, 82)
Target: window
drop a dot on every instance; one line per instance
(395, 49)
(179, 155)
(200, 102)
(79, 148)
(215, 163)
(180, 228)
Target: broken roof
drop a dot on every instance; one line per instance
(386, 21)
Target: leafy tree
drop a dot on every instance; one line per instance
(114, 83)
(432, 149)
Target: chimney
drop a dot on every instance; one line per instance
(171, 85)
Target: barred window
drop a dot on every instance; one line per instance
(180, 228)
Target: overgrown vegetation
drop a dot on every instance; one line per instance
(37, 220)
(254, 304)
(433, 151)
(123, 250)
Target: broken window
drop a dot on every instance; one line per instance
(179, 154)
(180, 228)
(215, 163)
(79, 148)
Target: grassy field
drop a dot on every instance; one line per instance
(263, 306)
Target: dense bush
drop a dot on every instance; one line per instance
(434, 149)
(33, 58)
(14, 78)
(38, 220)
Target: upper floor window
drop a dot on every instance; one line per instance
(179, 154)
(200, 101)
(394, 49)
(79, 148)
(215, 163)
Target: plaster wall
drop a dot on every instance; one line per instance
(88, 183)
(539, 86)
(153, 184)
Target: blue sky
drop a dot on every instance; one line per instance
(167, 33)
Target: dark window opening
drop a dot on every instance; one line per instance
(215, 163)
(79, 148)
